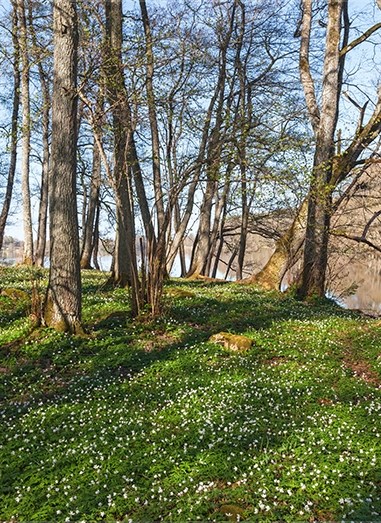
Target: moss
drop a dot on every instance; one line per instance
(175, 292)
(51, 318)
(15, 294)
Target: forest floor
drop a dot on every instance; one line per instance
(143, 420)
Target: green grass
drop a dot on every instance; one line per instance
(147, 421)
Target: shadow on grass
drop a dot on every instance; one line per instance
(120, 346)
(209, 415)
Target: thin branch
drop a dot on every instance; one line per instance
(371, 220)
(358, 239)
(360, 39)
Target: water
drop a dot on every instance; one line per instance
(359, 286)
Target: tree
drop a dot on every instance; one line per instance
(329, 168)
(14, 126)
(40, 54)
(333, 164)
(62, 309)
(28, 258)
(125, 263)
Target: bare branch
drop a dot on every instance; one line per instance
(371, 220)
(362, 109)
(344, 163)
(358, 239)
(361, 38)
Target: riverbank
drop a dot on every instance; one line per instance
(150, 420)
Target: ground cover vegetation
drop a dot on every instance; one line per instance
(146, 420)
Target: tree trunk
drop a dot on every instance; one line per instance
(219, 220)
(96, 238)
(243, 227)
(62, 309)
(182, 224)
(156, 168)
(320, 195)
(124, 254)
(88, 232)
(270, 277)
(14, 127)
(201, 252)
(28, 256)
(125, 266)
(44, 191)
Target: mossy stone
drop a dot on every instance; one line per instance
(235, 342)
(175, 292)
(15, 294)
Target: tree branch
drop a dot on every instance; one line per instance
(358, 239)
(344, 163)
(360, 39)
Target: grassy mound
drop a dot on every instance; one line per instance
(150, 421)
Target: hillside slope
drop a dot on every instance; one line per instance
(150, 421)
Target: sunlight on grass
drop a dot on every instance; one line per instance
(148, 421)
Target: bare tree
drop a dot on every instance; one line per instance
(125, 263)
(62, 309)
(328, 169)
(39, 54)
(89, 233)
(28, 257)
(331, 165)
(14, 125)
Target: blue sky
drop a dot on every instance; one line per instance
(370, 12)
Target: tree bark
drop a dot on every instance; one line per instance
(14, 128)
(88, 233)
(28, 256)
(320, 194)
(62, 309)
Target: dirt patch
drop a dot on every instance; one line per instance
(354, 361)
(160, 342)
(276, 360)
(362, 370)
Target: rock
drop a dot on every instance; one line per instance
(176, 292)
(235, 342)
